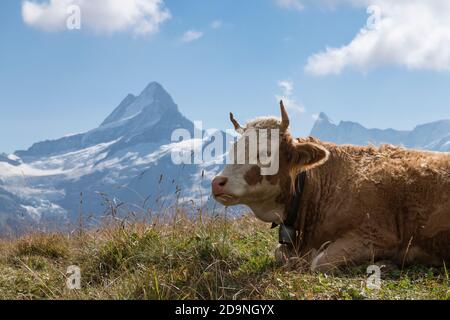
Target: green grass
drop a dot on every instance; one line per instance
(187, 259)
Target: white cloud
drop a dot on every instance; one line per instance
(287, 88)
(191, 35)
(291, 103)
(410, 33)
(290, 4)
(216, 24)
(102, 16)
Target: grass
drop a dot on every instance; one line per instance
(212, 258)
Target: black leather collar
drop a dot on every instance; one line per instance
(293, 210)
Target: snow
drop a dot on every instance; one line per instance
(7, 171)
(43, 207)
(13, 157)
(68, 135)
(136, 108)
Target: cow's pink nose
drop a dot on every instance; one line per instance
(218, 185)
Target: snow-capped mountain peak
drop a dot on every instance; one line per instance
(153, 100)
(119, 112)
(323, 117)
(150, 116)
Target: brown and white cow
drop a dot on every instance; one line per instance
(359, 205)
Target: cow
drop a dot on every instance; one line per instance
(359, 204)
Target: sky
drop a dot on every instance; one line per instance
(382, 63)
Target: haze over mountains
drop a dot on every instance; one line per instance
(126, 162)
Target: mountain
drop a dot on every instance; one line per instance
(12, 215)
(9, 158)
(433, 136)
(122, 166)
(149, 117)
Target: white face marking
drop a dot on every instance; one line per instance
(250, 160)
(235, 173)
(258, 147)
(260, 196)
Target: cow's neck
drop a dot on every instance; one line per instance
(322, 199)
(269, 210)
(316, 200)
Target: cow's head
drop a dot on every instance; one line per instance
(267, 195)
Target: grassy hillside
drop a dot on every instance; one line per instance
(186, 259)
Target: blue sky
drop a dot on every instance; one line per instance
(58, 82)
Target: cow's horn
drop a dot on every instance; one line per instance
(236, 124)
(284, 117)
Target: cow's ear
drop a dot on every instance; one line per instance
(305, 156)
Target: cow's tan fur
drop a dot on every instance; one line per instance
(377, 203)
(263, 123)
(365, 203)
